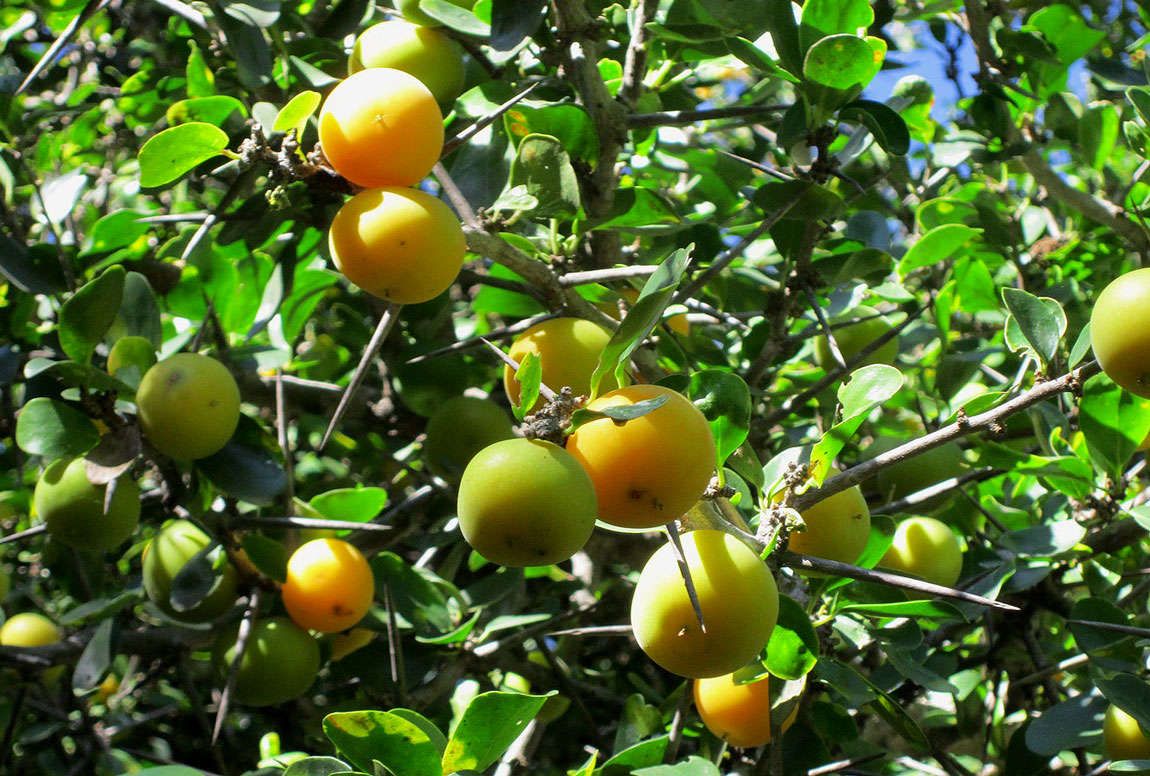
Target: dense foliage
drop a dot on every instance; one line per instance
(880, 300)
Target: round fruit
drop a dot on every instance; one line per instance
(166, 554)
(1120, 331)
(737, 596)
(381, 127)
(399, 244)
(925, 548)
(72, 508)
(838, 528)
(851, 339)
(568, 351)
(1123, 736)
(189, 406)
(29, 629)
(279, 663)
(650, 470)
(411, 12)
(329, 585)
(526, 502)
(107, 688)
(913, 474)
(131, 351)
(429, 55)
(461, 428)
(739, 714)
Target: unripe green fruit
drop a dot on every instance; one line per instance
(427, 54)
(851, 339)
(280, 661)
(189, 406)
(166, 554)
(526, 502)
(458, 430)
(72, 508)
(132, 351)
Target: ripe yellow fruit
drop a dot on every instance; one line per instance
(427, 54)
(737, 595)
(329, 586)
(29, 629)
(399, 244)
(739, 714)
(837, 528)
(189, 406)
(568, 351)
(381, 127)
(1123, 736)
(925, 548)
(650, 470)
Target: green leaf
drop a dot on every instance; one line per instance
(804, 200)
(1071, 724)
(938, 610)
(401, 745)
(1114, 422)
(490, 723)
(641, 211)
(101, 608)
(544, 168)
(317, 766)
(114, 231)
(1044, 541)
(213, 110)
(939, 244)
(529, 375)
(96, 658)
(692, 766)
(1089, 638)
(1139, 97)
(198, 578)
(785, 35)
(247, 473)
(295, 114)
(822, 18)
(840, 62)
(358, 505)
(417, 600)
(754, 56)
(569, 124)
(889, 128)
(267, 555)
(1128, 692)
(794, 646)
(139, 313)
(51, 429)
(620, 414)
(865, 693)
(1098, 133)
(170, 154)
(1040, 320)
(458, 19)
(725, 401)
(201, 82)
(638, 720)
(865, 389)
(642, 318)
(89, 313)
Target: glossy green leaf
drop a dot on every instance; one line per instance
(794, 646)
(52, 429)
(1040, 320)
(1073, 723)
(725, 401)
(939, 244)
(1090, 638)
(170, 154)
(840, 62)
(491, 722)
(295, 114)
(886, 125)
(529, 375)
(88, 314)
(458, 19)
(358, 505)
(543, 166)
(1114, 422)
(96, 659)
(214, 110)
(402, 746)
(247, 473)
(822, 18)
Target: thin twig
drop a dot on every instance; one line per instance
(834, 567)
(395, 647)
(606, 275)
(472, 130)
(382, 329)
(471, 342)
(828, 335)
(679, 117)
(721, 261)
(245, 631)
(253, 521)
(544, 391)
(87, 12)
(27, 533)
(685, 570)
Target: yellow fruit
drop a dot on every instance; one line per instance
(837, 528)
(29, 629)
(427, 54)
(329, 586)
(739, 714)
(737, 595)
(568, 351)
(925, 548)
(1123, 736)
(652, 469)
(189, 406)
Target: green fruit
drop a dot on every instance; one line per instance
(458, 430)
(427, 54)
(72, 508)
(526, 502)
(925, 548)
(411, 12)
(189, 406)
(131, 351)
(851, 339)
(915, 474)
(168, 552)
(280, 661)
